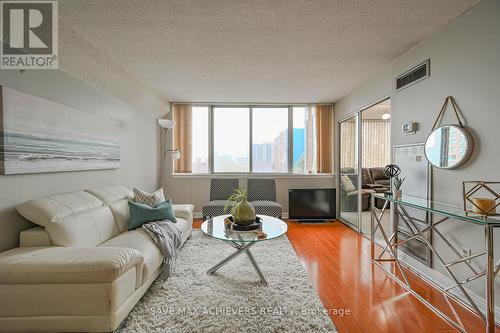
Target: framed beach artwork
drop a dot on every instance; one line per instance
(37, 135)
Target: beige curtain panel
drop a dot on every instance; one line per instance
(183, 117)
(348, 147)
(376, 143)
(324, 138)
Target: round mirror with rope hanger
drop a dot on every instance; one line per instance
(449, 146)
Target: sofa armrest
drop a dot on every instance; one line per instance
(46, 265)
(34, 237)
(184, 211)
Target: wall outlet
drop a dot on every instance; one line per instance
(467, 252)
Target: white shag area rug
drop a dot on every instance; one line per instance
(232, 299)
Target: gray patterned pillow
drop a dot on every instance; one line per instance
(150, 199)
(346, 183)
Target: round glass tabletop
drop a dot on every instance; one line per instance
(271, 226)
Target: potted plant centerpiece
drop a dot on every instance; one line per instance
(397, 182)
(242, 211)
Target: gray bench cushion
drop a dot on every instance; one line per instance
(214, 208)
(266, 207)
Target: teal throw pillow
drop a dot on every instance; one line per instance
(141, 213)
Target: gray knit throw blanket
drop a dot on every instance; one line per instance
(167, 236)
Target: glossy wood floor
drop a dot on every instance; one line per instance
(337, 260)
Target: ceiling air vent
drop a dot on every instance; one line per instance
(414, 75)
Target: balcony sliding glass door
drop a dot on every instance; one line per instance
(348, 173)
(364, 151)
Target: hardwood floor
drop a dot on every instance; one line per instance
(337, 260)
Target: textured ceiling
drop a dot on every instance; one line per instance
(257, 51)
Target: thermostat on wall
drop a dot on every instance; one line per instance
(410, 128)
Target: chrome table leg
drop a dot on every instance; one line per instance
(239, 250)
(490, 280)
(256, 268)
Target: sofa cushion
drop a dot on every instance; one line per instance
(383, 182)
(121, 213)
(55, 208)
(150, 199)
(139, 240)
(29, 265)
(366, 176)
(72, 219)
(85, 229)
(111, 194)
(346, 183)
(141, 213)
(378, 174)
(117, 198)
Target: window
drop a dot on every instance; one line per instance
(253, 139)
(270, 139)
(231, 139)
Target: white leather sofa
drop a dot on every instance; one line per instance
(81, 270)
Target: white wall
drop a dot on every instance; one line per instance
(139, 140)
(465, 63)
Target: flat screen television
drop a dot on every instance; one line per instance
(311, 204)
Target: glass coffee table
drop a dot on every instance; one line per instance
(243, 240)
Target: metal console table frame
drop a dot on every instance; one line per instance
(448, 213)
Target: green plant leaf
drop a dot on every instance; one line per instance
(235, 198)
(397, 182)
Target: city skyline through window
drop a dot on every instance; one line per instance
(270, 139)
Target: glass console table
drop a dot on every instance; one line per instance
(446, 213)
